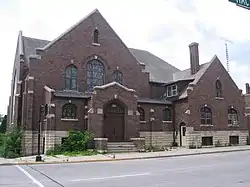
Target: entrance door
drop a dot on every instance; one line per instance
(183, 141)
(114, 122)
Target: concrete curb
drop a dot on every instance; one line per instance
(121, 159)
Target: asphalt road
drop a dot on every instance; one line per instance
(216, 170)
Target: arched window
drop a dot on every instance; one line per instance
(69, 111)
(218, 88)
(232, 117)
(167, 114)
(71, 77)
(96, 36)
(206, 116)
(142, 113)
(117, 76)
(95, 74)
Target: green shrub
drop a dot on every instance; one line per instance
(77, 141)
(10, 146)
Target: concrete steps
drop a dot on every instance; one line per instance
(121, 147)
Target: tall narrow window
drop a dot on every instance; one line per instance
(96, 36)
(167, 114)
(206, 116)
(142, 113)
(218, 88)
(95, 74)
(69, 111)
(117, 76)
(71, 77)
(232, 117)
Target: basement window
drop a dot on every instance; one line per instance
(207, 141)
(233, 140)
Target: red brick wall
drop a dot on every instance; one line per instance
(77, 46)
(204, 93)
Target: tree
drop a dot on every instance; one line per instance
(3, 124)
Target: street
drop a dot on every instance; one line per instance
(213, 170)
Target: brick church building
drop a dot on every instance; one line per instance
(88, 79)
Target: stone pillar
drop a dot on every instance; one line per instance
(139, 144)
(101, 144)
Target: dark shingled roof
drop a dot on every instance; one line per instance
(160, 71)
(30, 45)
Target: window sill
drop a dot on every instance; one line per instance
(96, 44)
(219, 98)
(229, 125)
(65, 119)
(205, 125)
(143, 122)
(166, 121)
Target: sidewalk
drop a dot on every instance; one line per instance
(121, 156)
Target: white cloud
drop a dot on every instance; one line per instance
(164, 27)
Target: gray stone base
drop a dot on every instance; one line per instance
(222, 137)
(159, 139)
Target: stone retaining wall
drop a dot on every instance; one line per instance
(159, 139)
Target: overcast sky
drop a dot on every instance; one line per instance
(164, 27)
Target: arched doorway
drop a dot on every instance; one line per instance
(113, 127)
(182, 129)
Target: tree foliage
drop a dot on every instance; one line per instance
(3, 124)
(10, 143)
(77, 141)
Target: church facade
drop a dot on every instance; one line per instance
(88, 79)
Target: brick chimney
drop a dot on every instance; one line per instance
(247, 89)
(194, 57)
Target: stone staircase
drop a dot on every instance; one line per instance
(121, 147)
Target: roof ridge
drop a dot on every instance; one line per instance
(36, 38)
(70, 29)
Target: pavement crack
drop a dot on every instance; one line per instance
(45, 175)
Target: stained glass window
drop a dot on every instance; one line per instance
(167, 115)
(117, 76)
(96, 36)
(232, 117)
(142, 113)
(95, 74)
(69, 111)
(218, 88)
(71, 77)
(206, 116)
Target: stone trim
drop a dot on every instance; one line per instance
(51, 105)
(167, 121)
(50, 115)
(143, 121)
(96, 44)
(101, 139)
(30, 91)
(204, 125)
(49, 89)
(30, 78)
(113, 84)
(219, 98)
(65, 119)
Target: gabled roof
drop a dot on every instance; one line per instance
(30, 45)
(160, 71)
(68, 30)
